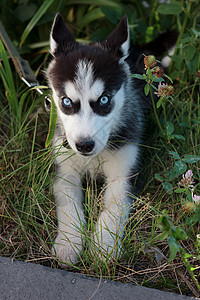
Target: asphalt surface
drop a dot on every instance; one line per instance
(29, 281)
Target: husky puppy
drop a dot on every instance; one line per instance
(100, 116)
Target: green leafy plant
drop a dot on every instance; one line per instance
(174, 235)
(164, 91)
(179, 168)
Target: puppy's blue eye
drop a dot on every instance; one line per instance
(66, 102)
(104, 100)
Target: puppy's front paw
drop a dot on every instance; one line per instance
(107, 247)
(67, 250)
(107, 238)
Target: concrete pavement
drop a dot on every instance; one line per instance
(29, 281)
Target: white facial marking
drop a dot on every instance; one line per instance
(71, 91)
(88, 92)
(85, 84)
(84, 74)
(97, 89)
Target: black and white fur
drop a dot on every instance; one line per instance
(100, 115)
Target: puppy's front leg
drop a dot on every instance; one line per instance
(117, 203)
(70, 215)
(112, 221)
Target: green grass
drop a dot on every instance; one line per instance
(161, 244)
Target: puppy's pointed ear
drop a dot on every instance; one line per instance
(61, 38)
(118, 41)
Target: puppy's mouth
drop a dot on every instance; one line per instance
(85, 154)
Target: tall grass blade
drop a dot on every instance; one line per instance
(52, 123)
(7, 78)
(42, 10)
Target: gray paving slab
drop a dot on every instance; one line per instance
(29, 281)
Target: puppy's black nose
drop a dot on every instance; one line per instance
(85, 146)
